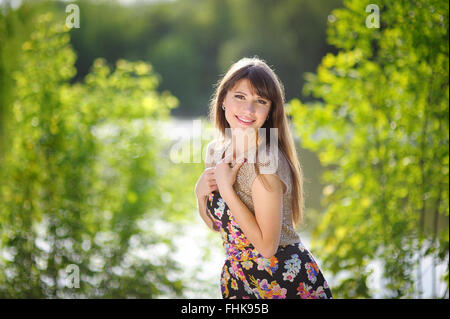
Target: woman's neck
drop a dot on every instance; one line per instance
(242, 145)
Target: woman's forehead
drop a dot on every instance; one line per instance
(246, 87)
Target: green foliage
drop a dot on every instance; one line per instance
(191, 42)
(14, 28)
(84, 178)
(381, 128)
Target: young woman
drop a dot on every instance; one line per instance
(251, 190)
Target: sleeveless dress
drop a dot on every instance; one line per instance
(291, 273)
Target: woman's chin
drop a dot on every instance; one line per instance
(244, 128)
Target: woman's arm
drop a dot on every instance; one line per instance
(264, 228)
(205, 185)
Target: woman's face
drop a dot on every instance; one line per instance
(244, 108)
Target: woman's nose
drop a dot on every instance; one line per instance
(250, 107)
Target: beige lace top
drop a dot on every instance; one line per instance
(273, 162)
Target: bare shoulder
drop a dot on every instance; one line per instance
(274, 166)
(271, 186)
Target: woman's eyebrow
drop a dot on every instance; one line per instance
(246, 94)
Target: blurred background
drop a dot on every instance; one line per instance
(98, 164)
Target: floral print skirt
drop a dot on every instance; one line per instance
(291, 273)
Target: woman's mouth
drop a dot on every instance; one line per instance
(244, 121)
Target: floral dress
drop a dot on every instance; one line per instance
(291, 273)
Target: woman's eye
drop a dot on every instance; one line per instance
(241, 97)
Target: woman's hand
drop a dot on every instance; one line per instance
(206, 183)
(225, 175)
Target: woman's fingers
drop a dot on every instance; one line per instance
(213, 187)
(212, 183)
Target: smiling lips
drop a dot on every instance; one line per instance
(244, 121)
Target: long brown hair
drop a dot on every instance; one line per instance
(267, 85)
